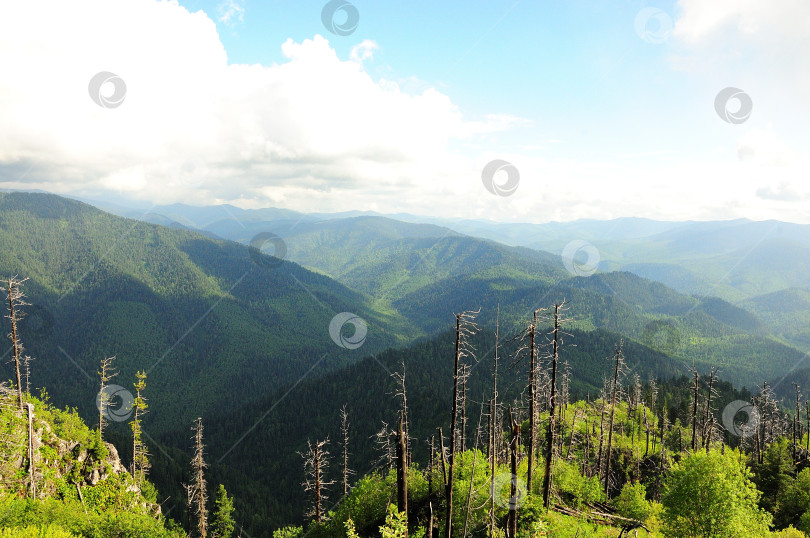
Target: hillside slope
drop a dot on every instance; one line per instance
(198, 314)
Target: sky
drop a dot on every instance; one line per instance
(527, 110)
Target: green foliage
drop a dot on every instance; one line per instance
(70, 516)
(350, 530)
(222, 524)
(576, 488)
(396, 524)
(632, 502)
(31, 531)
(789, 532)
(288, 532)
(711, 495)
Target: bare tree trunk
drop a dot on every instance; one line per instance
(573, 428)
(464, 408)
(553, 404)
(402, 469)
(619, 358)
(463, 330)
(493, 431)
(532, 400)
(344, 430)
(15, 300)
(197, 494)
(431, 463)
(106, 374)
(32, 485)
(448, 488)
(708, 421)
(695, 388)
(796, 425)
(807, 418)
(316, 462)
(511, 522)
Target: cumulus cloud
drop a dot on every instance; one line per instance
(190, 119)
(313, 132)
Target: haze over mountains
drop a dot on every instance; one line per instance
(244, 341)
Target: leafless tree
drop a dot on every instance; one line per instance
(105, 373)
(402, 467)
(708, 417)
(465, 328)
(16, 300)
(344, 432)
(316, 463)
(615, 393)
(693, 414)
(511, 522)
(196, 492)
(556, 342)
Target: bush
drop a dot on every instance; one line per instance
(568, 480)
(712, 495)
(632, 502)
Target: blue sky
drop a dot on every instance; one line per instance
(602, 111)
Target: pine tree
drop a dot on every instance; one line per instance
(223, 524)
(140, 454)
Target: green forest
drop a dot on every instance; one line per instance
(161, 382)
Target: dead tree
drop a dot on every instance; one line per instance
(402, 395)
(797, 425)
(693, 415)
(465, 328)
(618, 369)
(106, 373)
(387, 450)
(603, 397)
(708, 419)
(511, 522)
(402, 468)
(807, 418)
(316, 462)
(556, 342)
(16, 299)
(532, 401)
(565, 384)
(494, 430)
(344, 432)
(472, 471)
(196, 492)
(463, 430)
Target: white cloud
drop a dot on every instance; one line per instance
(314, 132)
(231, 12)
(364, 51)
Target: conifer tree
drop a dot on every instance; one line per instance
(223, 524)
(140, 454)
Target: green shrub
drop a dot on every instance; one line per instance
(632, 502)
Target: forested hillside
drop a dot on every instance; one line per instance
(245, 343)
(198, 314)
